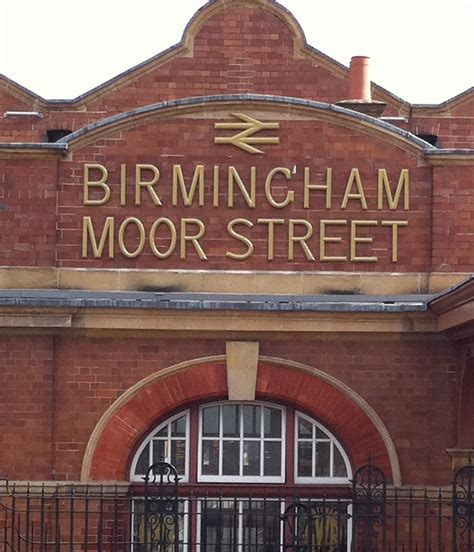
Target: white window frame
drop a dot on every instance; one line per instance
(334, 443)
(203, 478)
(184, 477)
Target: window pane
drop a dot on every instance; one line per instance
(305, 459)
(252, 420)
(272, 422)
(178, 427)
(210, 421)
(320, 434)
(231, 458)
(251, 458)
(323, 459)
(163, 431)
(230, 420)
(339, 464)
(143, 461)
(271, 458)
(160, 451)
(210, 458)
(305, 429)
(178, 455)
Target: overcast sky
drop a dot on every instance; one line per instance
(421, 50)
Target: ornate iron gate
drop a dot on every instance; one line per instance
(369, 499)
(463, 510)
(157, 518)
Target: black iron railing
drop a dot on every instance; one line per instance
(164, 516)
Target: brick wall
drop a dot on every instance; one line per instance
(28, 212)
(411, 385)
(27, 397)
(41, 201)
(453, 219)
(190, 141)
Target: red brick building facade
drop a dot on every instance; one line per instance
(225, 224)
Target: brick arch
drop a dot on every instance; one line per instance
(334, 409)
(130, 418)
(108, 450)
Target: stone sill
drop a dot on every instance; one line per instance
(460, 457)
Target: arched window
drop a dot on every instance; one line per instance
(319, 456)
(168, 442)
(245, 442)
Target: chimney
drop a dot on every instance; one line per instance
(360, 96)
(359, 80)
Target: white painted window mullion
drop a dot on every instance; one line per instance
(221, 442)
(331, 459)
(241, 440)
(262, 440)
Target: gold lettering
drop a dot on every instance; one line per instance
(290, 195)
(240, 237)
(173, 237)
(394, 224)
(188, 196)
(403, 184)
(88, 233)
(292, 239)
(354, 177)
(121, 237)
(271, 234)
(234, 177)
(323, 239)
(139, 183)
(194, 239)
(323, 187)
(123, 184)
(101, 183)
(215, 187)
(355, 239)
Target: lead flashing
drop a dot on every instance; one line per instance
(34, 146)
(216, 302)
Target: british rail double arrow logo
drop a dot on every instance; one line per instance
(245, 139)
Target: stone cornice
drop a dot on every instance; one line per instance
(219, 323)
(441, 157)
(10, 150)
